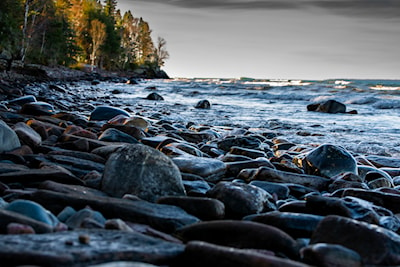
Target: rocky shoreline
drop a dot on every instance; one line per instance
(86, 182)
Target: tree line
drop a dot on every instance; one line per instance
(68, 32)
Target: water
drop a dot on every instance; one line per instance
(280, 106)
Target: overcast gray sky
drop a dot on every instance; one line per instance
(279, 39)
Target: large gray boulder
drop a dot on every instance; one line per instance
(142, 171)
(8, 138)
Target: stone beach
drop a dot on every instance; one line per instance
(86, 181)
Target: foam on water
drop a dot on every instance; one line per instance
(281, 106)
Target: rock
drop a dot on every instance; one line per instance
(234, 168)
(241, 141)
(105, 113)
(381, 161)
(82, 217)
(8, 217)
(297, 225)
(332, 106)
(165, 218)
(242, 199)
(202, 208)
(251, 153)
(27, 135)
(273, 175)
(154, 96)
(281, 191)
(383, 245)
(33, 210)
(143, 171)
(327, 255)
(133, 131)
(40, 175)
(124, 264)
(22, 100)
(328, 161)
(350, 207)
(114, 135)
(79, 131)
(241, 234)
(67, 249)
(208, 168)
(200, 254)
(37, 109)
(137, 121)
(8, 138)
(19, 229)
(203, 104)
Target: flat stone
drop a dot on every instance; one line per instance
(8, 138)
(38, 109)
(200, 254)
(208, 168)
(114, 135)
(7, 217)
(381, 161)
(241, 234)
(84, 247)
(142, 171)
(162, 217)
(331, 255)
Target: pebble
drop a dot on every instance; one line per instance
(148, 190)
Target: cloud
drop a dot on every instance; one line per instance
(365, 8)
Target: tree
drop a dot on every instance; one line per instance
(145, 51)
(161, 52)
(98, 34)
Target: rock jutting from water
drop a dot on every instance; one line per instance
(105, 183)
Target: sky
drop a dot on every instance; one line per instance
(276, 39)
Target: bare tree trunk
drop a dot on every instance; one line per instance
(24, 30)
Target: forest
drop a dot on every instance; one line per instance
(77, 32)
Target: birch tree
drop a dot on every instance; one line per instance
(98, 34)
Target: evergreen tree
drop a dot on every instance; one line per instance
(145, 45)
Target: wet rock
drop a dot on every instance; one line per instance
(33, 210)
(124, 264)
(241, 234)
(328, 161)
(251, 153)
(143, 171)
(86, 216)
(281, 191)
(138, 121)
(37, 109)
(8, 138)
(162, 217)
(71, 189)
(350, 207)
(208, 168)
(234, 168)
(241, 141)
(326, 255)
(272, 175)
(22, 100)
(65, 248)
(114, 135)
(203, 104)
(347, 180)
(329, 106)
(383, 245)
(105, 113)
(202, 208)
(19, 229)
(79, 131)
(297, 225)
(27, 135)
(154, 96)
(381, 161)
(195, 187)
(242, 199)
(133, 131)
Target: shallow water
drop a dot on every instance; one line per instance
(280, 106)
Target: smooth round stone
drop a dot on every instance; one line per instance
(27, 135)
(105, 113)
(78, 219)
(279, 190)
(329, 161)
(242, 199)
(8, 138)
(154, 96)
(33, 210)
(241, 141)
(114, 135)
(38, 109)
(137, 121)
(142, 171)
(22, 100)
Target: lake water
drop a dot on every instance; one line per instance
(280, 106)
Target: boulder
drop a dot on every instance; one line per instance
(142, 171)
(27, 135)
(203, 104)
(154, 96)
(114, 135)
(8, 138)
(37, 109)
(332, 106)
(208, 168)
